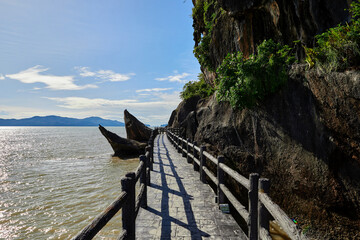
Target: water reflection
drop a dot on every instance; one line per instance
(55, 180)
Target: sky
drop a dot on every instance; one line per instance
(82, 58)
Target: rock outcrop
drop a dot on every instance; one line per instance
(137, 136)
(135, 129)
(305, 138)
(245, 24)
(123, 147)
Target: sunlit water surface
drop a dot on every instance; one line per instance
(55, 180)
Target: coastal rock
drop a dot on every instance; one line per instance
(245, 24)
(123, 147)
(182, 111)
(135, 129)
(305, 139)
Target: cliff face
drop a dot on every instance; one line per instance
(245, 24)
(306, 138)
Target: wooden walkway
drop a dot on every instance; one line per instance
(180, 206)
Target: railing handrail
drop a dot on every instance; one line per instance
(256, 195)
(142, 172)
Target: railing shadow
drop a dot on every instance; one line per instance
(191, 225)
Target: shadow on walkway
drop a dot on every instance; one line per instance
(191, 225)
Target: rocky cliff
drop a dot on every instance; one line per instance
(241, 25)
(305, 138)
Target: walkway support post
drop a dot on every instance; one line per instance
(220, 176)
(188, 159)
(264, 215)
(196, 167)
(183, 144)
(253, 206)
(178, 144)
(148, 164)
(128, 212)
(202, 164)
(151, 160)
(143, 180)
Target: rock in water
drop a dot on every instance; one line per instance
(135, 129)
(122, 146)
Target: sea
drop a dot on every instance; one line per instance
(55, 180)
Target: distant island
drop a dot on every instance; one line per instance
(59, 121)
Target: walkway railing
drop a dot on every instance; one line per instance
(260, 208)
(126, 201)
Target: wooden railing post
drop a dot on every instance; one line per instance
(149, 148)
(253, 206)
(152, 156)
(183, 144)
(220, 176)
(143, 180)
(202, 164)
(264, 215)
(128, 211)
(196, 167)
(178, 144)
(148, 164)
(188, 159)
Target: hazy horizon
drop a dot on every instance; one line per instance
(89, 58)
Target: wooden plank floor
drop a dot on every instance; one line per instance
(179, 205)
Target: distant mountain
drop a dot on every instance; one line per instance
(59, 121)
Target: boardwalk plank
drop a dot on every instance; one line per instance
(180, 206)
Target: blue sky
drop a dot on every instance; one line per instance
(81, 58)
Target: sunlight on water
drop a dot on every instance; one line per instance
(55, 180)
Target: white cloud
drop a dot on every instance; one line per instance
(88, 103)
(107, 75)
(85, 72)
(155, 110)
(4, 113)
(174, 78)
(153, 90)
(167, 100)
(32, 75)
(2, 77)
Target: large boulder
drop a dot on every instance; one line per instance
(305, 139)
(135, 129)
(123, 147)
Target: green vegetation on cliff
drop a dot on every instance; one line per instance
(338, 48)
(243, 82)
(205, 14)
(197, 88)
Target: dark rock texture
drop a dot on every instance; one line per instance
(306, 139)
(184, 116)
(123, 147)
(135, 129)
(137, 136)
(247, 23)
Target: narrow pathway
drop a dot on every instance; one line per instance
(179, 205)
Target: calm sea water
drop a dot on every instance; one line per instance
(55, 180)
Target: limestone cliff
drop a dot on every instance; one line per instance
(306, 138)
(241, 25)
